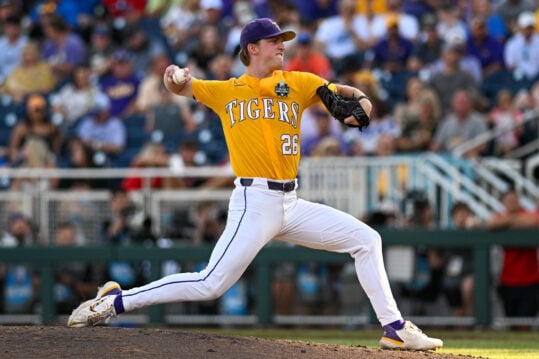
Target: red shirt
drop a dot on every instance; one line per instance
(520, 266)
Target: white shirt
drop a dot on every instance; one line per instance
(111, 131)
(336, 40)
(10, 54)
(522, 55)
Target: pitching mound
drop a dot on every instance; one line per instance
(106, 342)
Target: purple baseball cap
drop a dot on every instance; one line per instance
(263, 28)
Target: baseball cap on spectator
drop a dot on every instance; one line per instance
(211, 4)
(263, 28)
(526, 19)
(304, 38)
(121, 55)
(392, 20)
(364, 77)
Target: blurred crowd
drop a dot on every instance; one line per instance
(81, 87)
(81, 82)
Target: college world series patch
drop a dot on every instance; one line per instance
(282, 89)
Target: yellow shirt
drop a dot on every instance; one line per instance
(261, 119)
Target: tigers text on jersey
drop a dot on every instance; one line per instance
(261, 119)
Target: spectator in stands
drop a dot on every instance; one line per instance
(427, 48)
(8, 8)
(418, 117)
(143, 48)
(76, 98)
(122, 85)
(495, 24)
(318, 9)
(36, 154)
(458, 282)
(509, 10)
(391, 52)
(12, 43)
(149, 94)
(338, 35)
(118, 230)
(367, 82)
(243, 12)
(74, 280)
(170, 119)
(181, 26)
(519, 278)
(68, 10)
(456, 43)
(383, 124)
(307, 58)
(323, 121)
(451, 78)
(33, 75)
(210, 222)
(485, 47)
(19, 282)
(407, 24)
(62, 48)
(100, 50)
(209, 45)
(81, 156)
(102, 132)
(151, 155)
(505, 115)
(220, 67)
(212, 12)
(522, 51)
(309, 126)
(35, 124)
(427, 282)
(527, 102)
(187, 155)
(367, 18)
(449, 22)
(459, 126)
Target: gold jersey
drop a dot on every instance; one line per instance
(261, 119)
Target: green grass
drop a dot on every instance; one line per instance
(486, 344)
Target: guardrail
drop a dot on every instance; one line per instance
(479, 240)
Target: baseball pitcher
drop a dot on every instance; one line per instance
(260, 113)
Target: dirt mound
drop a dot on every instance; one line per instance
(107, 342)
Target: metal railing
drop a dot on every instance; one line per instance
(357, 185)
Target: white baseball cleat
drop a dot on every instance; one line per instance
(96, 310)
(410, 337)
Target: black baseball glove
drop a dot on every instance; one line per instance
(341, 107)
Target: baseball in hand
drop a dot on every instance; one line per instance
(179, 76)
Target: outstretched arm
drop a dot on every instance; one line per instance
(184, 89)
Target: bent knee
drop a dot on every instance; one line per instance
(367, 240)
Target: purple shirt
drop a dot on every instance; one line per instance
(72, 52)
(121, 92)
(488, 52)
(400, 54)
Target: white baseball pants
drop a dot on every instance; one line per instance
(257, 215)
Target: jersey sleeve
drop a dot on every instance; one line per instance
(207, 92)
